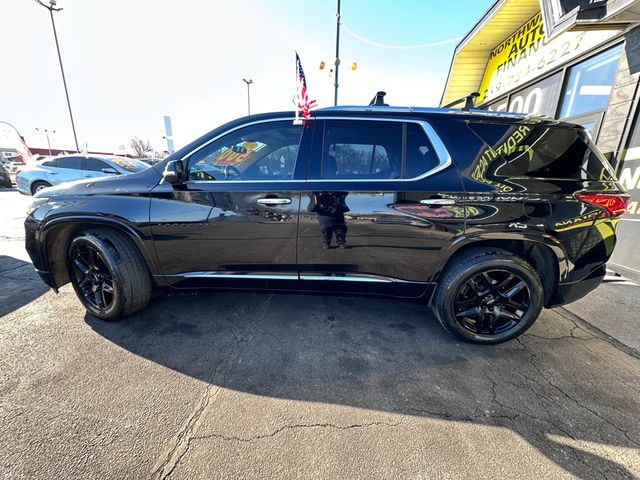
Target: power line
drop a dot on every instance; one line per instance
(397, 47)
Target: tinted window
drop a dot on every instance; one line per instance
(129, 164)
(50, 163)
(421, 157)
(70, 162)
(266, 151)
(540, 151)
(96, 165)
(361, 149)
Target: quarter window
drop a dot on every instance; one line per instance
(265, 151)
(50, 163)
(421, 157)
(522, 150)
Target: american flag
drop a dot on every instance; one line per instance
(301, 100)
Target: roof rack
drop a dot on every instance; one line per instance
(469, 101)
(378, 100)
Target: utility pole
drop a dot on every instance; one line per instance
(52, 8)
(337, 63)
(248, 82)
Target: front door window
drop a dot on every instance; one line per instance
(262, 152)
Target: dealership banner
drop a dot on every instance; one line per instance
(526, 54)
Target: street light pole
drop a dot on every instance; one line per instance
(248, 82)
(46, 131)
(337, 62)
(52, 8)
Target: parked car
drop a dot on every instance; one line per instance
(8, 166)
(487, 217)
(68, 168)
(5, 176)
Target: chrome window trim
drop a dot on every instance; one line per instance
(444, 157)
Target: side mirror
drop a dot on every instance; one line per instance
(111, 171)
(174, 172)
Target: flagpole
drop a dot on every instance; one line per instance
(296, 120)
(337, 63)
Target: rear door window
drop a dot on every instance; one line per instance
(358, 149)
(540, 151)
(70, 162)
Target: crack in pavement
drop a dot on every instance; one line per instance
(295, 427)
(182, 442)
(532, 357)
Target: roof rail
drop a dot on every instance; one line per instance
(469, 101)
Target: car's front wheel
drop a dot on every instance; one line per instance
(488, 296)
(108, 274)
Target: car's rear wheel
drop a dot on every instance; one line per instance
(108, 274)
(39, 185)
(488, 296)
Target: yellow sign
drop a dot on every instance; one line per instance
(527, 54)
(512, 50)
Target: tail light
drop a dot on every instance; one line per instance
(614, 203)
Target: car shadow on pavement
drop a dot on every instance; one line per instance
(554, 386)
(19, 284)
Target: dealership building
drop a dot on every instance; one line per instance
(575, 60)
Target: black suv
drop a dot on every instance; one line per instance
(487, 217)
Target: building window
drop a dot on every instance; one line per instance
(589, 84)
(499, 105)
(540, 98)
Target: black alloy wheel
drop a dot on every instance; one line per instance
(488, 296)
(94, 280)
(492, 302)
(108, 273)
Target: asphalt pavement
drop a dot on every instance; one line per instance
(241, 385)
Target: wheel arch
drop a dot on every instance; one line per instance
(57, 234)
(545, 255)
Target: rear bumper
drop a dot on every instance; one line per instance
(23, 185)
(570, 292)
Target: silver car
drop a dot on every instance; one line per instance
(35, 177)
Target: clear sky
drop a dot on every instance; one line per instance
(129, 62)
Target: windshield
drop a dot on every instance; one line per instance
(130, 164)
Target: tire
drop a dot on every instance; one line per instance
(474, 302)
(120, 274)
(38, 185)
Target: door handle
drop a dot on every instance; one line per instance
(438, 202)
(274, 201)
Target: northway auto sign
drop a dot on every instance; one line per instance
(527, 53)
